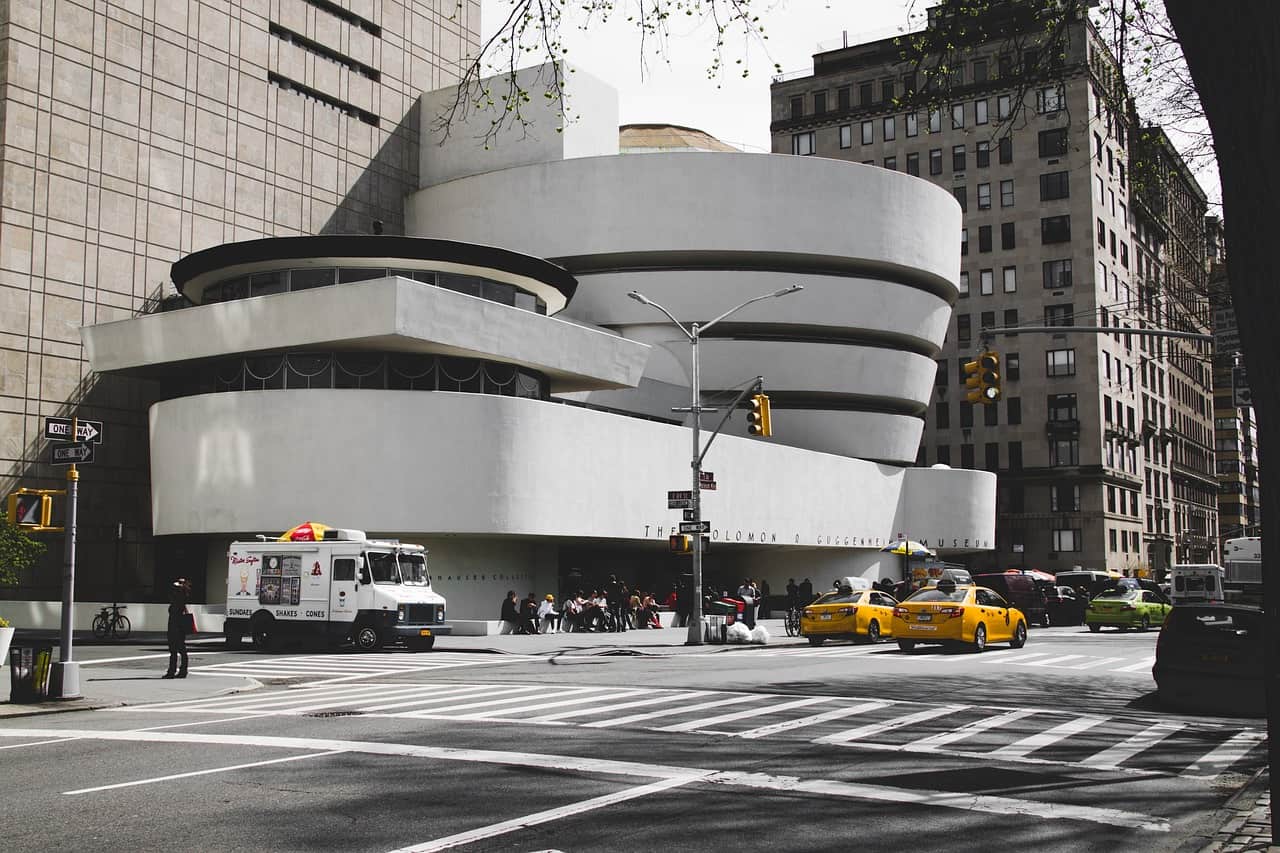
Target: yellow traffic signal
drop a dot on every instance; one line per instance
(681, 543)
(758, 419)
(30, 509)
(982, 378)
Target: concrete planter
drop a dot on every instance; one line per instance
(6, 637)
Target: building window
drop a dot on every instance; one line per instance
(1003, 106)
(962, 196)
(1053, 143)
(964, 241)
(991, 415)
(819, 103)
(979, 71)
(966, 415)
(983, 154)
(964, 332)
(1057, 274)
(935, 161)
(980, 111)
(802, 143)
(886, 91)
(1054, 185)
(891, 163)
(1102, 233)
(1059, 315)
(1060, 362)
(964, 285)
(1012, 366)
(1049, 99)
(1062, 407)
(1010, 279)
(913, 164)
(992, 451)
(942, 415)
(890, 128)
(1064, 451)
(912, 121)
(1064, 498)
(944, 374)
(1124, 255)
(944, 454)
(868, 132)
(1066, 540)
(957, 116)
(957, 158)
(984, 196)
(846, 136)
(966, 456)
(987, 320)
(1011, 317)
(984, 238)
(844, 99)
(1013, 410)
(864, 94)
(1006, 193)
(1015, 456)
(935, 120)
(1111, 538)
(1007, 236)
(797, 106)
(1006, 149)
(1055, 229)
(985, 282)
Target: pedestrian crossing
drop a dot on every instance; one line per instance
(337, 668)
(1120, 743)
(1063, 656)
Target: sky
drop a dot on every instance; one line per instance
(676, 90)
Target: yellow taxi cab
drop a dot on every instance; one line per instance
(848, 612)
(951, 613)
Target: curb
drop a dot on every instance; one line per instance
(55, 706)
(1223, 826)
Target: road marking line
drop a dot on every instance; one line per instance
(931, 744)
(1091, 664)
(202, 772)
(658, 700)
(740, 715)
(1117, 754)
(801, 722)
(1027, 745)
(1053, 661)
(1145, 663)
(876, 728)
(352, 699)
(435, 696)
(189, 723)
(515, 824)
(1021, 659)
(509, 699)
(251, 701)
(139, 657)
(606, 695)
(719, 702)
(1226, 754)
(38, 743)
(595, 765)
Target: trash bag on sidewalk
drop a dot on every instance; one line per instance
(738, 634)
(759, 636)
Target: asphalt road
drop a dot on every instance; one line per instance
(1059, 746)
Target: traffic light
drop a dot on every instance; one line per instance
(758, 421)
(982, 378)
(27, 509)
(681, 543)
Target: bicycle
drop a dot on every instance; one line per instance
(792, 621)
(110, 622)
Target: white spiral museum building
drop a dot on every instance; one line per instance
(484, 386)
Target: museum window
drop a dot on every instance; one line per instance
(802, 143)
(846, 136)
(1066, 540)
(868, 132)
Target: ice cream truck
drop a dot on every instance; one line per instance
(332, 585)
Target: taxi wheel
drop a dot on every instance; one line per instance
(817, 641)
(980, 638)
(906, 645)
(1019, 636)
(1144, 624)
(873, 632)
(1095, 628)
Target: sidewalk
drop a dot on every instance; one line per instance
(1247, 824)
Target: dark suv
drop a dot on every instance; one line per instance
(1021, 590)
(1210, 657)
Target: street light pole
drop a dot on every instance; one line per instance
(695, 637)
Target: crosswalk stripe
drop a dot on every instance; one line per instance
(1094, 664)
(508, 690)
(1027, 745)
(1145, 663)
(604, 696)
(742, 715)
(931, 744)
(719, 702)
(286, 703)
(1217, 760)
(1006, 656)
(654, 700)
(250, 700)
(1054, 661)
(816, 719)
(436, 695)
(1119, 753)
(850, 735)
(348, 700)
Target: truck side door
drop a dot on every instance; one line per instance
(342, 589)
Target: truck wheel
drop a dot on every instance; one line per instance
(366, 638)
(426, 644)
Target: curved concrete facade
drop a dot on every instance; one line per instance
(848, 362)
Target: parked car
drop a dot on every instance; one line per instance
(1092, 581)
(1126, 608)
(1210, 657)
(1065, 606)
(1021, 590)
(958, 615)
(863, 615)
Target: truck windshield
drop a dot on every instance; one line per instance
(383, 567)
(413, 568)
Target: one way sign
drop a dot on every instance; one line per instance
(75, 453)
(60, 428)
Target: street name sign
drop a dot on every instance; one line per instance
(60, 428)
(695, 526)
(73, 453)
(1241, 393)
(680, 496)
(682, 503)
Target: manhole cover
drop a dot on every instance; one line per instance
(323, 714)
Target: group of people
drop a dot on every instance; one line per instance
(613, 607)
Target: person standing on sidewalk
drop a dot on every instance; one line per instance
(176, 632)
(615, 593)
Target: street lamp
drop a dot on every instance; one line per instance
(692, 332)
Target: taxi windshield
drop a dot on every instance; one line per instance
(839, 597)
(1116, 595)
(936, 594)
(382, 567)
(413, 568)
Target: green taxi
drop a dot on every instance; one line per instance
(1126, 608)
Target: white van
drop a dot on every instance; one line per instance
(1199, 583)
(343, 588)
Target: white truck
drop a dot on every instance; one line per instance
(342, 588)
(1242, 560)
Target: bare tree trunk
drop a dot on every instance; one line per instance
(1233, 53)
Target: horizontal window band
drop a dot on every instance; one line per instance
(802, 333)
(328, 100)
(347, 15)
(830, 401)
(746, 261)
(312, 46)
